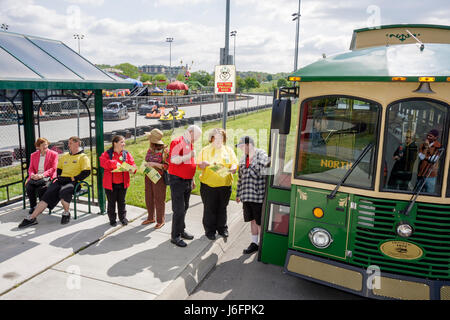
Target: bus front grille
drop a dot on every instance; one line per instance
(375, 221)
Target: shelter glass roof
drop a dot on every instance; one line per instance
(28, 62)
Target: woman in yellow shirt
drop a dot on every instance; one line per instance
(218, 163)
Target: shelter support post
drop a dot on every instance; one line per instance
(28, 123)
(99, 147)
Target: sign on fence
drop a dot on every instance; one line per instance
(225, 79)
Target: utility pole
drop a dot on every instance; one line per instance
(225, 61)
(296, 17)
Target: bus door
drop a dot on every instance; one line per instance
(276, 209)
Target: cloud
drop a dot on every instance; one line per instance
(96, 3)
(266, 33)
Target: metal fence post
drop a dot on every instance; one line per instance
(135, 120)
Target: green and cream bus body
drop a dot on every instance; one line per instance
(358, 197)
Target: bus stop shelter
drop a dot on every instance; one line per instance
(32, 67)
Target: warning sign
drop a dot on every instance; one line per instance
(225, 79)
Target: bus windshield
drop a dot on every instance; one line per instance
(415, 131)
(334, 132)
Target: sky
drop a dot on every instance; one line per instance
(135, 31)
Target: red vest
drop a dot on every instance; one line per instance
(184, 170)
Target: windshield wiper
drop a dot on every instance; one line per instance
(431, 163)
(332, 195)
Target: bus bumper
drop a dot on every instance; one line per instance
(371, 283)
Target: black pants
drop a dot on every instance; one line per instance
(180, 190)
(32, 190)
(60, 189)
(215, 202)
(116, 195)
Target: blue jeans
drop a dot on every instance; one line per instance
(430, 184)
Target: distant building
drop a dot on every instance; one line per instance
(160, 69)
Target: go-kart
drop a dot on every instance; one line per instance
(174, 113)
(155, 113)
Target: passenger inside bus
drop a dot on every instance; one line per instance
(404, 156)
(428, 169)
(408, 164)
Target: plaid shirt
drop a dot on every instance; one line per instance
(252, 180)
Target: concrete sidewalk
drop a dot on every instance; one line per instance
(88, 259)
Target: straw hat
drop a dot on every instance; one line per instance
(155, 136)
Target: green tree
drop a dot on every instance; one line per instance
(180, 77)
(240, 84)
(201, 76)
(251, 83)
(282, 82)
(128, 69)
(146, 77)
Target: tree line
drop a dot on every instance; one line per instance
(245, 81)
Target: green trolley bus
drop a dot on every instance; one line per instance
(358, 197)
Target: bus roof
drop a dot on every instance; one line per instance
(382, 64)
(399, 34)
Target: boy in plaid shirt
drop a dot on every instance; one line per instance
(251, 186)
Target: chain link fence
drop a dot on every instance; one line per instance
(58, 118)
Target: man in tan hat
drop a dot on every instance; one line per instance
(155, 193)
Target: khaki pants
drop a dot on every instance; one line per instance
(155, 199)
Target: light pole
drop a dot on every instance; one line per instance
(170, 40)
(296, 17)
(5, 26)
(79, 37)
(233, 34)
(225, 58)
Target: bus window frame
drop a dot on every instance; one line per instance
(445, 134)
(377, 140)
(272, 175)
(268, 208)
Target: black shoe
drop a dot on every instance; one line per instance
(224, 234)
(124, 221)
(211, 236)
(113, 223)
(65, 218)
(26, 223)
(186, 236)
(31, 210)
(253, 247)
(179, 242)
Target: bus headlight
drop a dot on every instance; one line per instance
(404, 230)
(320, 238)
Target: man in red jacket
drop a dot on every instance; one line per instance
(181, 173)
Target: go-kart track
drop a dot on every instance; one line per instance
(55, 130)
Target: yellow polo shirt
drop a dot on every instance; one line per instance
(72, 165)
(222, 158)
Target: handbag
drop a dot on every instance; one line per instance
(39, 183)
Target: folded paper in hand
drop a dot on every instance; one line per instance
(151, 173)
(123, 167)
(220, 170)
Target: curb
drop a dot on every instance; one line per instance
(202, 264)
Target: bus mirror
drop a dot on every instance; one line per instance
(281, 116)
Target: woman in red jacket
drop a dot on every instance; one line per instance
(42, 169)
(116, 183)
